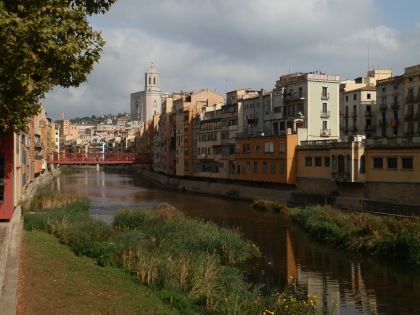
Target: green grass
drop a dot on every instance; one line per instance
(56, 281)
(362, 232)
(192, 265)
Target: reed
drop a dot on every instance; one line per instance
(193, 264)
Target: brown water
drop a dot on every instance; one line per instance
(343, 283)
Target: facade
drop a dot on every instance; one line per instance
(145, 104)
(188, 106)
(308, 101)
(412, 101)
(257, 115)
(266, 159)
(207, 143)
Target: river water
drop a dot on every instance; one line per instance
(343, 283)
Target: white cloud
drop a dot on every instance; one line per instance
(221, 44)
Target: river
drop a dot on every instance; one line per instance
(344, 284)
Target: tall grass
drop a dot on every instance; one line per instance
(193, 264)
(362, 232)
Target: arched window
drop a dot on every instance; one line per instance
(154, 81)
(150, 80)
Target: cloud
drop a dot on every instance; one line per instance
(228, 44)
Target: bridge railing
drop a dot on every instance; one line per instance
(96, 157)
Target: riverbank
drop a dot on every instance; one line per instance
(10, 240)
(249, 191)
(384, 236)
(54, 280)
(190, 264)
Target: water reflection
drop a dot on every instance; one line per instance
(344, 284)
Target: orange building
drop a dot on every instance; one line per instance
(266, 159)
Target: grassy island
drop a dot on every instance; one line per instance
(359, 232)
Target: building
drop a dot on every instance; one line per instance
(257, 115)
(307, 101)
(145, 104)
(412, 101)
(358, 107)
(207, 142)
(266, 159)
(186, 108)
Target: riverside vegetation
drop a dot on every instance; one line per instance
(193, 265)
(359, 232)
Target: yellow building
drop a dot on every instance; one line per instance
(266, 159)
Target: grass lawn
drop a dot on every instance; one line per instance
(53, 280)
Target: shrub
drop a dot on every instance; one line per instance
(268, 205)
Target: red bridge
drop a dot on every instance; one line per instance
(97, 158)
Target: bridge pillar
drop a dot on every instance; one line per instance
(97, 167)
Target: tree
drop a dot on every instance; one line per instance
(44, 43)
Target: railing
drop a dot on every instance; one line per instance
(325, 97)
(325, 114)
(354, 114)
(383, 106)
(368, 113)
(291, 97)
(395, 106)
(325, 132)
(97, 158)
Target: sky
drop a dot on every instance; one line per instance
(230, 44)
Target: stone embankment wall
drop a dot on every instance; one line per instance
(369, 197)
(10, 236)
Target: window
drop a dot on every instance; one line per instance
(282, 167)
(282, 147)
(248, 167)
(318, 161)
(308, 161)
(255, 168)
(355, 96)
(268, 147)
(368, 96)
(362, 165)
(407, 163)
(327, 161)
(324, 125)
(392, 163)
(347, 98)
(273, 168)
(324, 92)
(2, 177)
(257, 148)
(324, 107)
(150, 80)
(154, 80)
(378, 162)
(264, 168)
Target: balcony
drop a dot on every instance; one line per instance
(353, 114)
(325, 97)
(368, 113)
(293, 97)
(369, 128)
(409, 116)
(383, 107)
(353, 129)
(395, 106)
(346, 115)
(325, 114)
(325, 132)
(410, 98)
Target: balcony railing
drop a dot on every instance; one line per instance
(395, 106)
(346, 115)
(368, 113)
(353, 129)
(291, 97)
(369, 128)
(325, 114)
(353, 114)
(325, 132)
(383, 106)
(325, 96)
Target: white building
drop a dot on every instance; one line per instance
(145, 104)
(307, 101)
